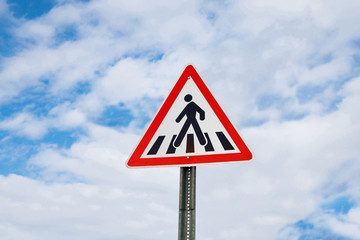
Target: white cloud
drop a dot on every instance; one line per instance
(62, 117)
(75, 211)
(3, 7)
(25, 124)
(293, 161)
(66, 116)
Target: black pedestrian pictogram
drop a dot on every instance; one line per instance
(190, 112)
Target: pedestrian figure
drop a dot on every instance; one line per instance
(190, 112)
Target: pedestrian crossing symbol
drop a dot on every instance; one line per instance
(189, 129)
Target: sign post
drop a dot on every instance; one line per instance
(187, 202)
(190, 129)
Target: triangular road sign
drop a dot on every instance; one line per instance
(189, 129)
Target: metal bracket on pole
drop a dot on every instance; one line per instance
(187, 202)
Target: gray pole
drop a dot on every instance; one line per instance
(187, 202)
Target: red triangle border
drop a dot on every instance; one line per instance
(135, 159)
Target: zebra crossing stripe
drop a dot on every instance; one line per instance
(171, 149)
(190, 148)
(209, 147)
(190, 145)
(224, 141)
(155, 148)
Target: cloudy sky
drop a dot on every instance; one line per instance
(81, 81)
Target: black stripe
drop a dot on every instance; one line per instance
(155, 148)
(224, 141)
(190, 143)
(171, 148)
(209, 147)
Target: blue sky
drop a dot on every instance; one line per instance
(81, 80)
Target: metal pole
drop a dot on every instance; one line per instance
(187, 202)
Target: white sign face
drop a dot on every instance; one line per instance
(190, 128)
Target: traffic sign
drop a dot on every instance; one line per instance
(189, 129)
